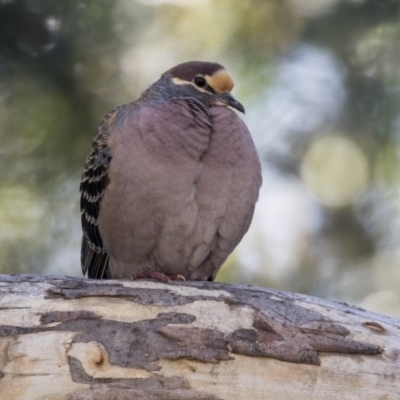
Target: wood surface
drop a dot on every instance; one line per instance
(79, 339)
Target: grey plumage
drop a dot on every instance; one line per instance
(171, 181)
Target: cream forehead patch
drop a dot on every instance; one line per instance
(221, 81)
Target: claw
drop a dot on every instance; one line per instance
(158, 276)
(176, 277)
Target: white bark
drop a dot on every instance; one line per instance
(76, 339)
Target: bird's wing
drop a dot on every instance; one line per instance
(94, 181)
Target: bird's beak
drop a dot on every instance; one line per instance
(227, 100)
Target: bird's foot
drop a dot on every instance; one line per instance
(158, 276)
(176, 277)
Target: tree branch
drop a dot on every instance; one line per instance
(71, 338)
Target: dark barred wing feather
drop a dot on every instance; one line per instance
(94, 181)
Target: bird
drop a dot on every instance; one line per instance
(169, 187)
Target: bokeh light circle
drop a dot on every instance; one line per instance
(335, 170)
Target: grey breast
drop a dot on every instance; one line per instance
(181, 190)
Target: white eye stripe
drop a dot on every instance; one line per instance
(201, 89)
(220, 82)
(179, 81)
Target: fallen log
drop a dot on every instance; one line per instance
(79, 339)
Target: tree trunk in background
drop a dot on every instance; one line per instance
(70, 338)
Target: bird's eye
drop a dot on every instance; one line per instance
(199, 81)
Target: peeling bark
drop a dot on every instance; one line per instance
(71, 338)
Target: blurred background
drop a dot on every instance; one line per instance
(320, 80)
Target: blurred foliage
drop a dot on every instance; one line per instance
(321, 82)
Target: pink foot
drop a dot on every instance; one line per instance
(158, 276)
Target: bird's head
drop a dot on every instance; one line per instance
(209, 82)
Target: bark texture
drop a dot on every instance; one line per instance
(78, 339)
